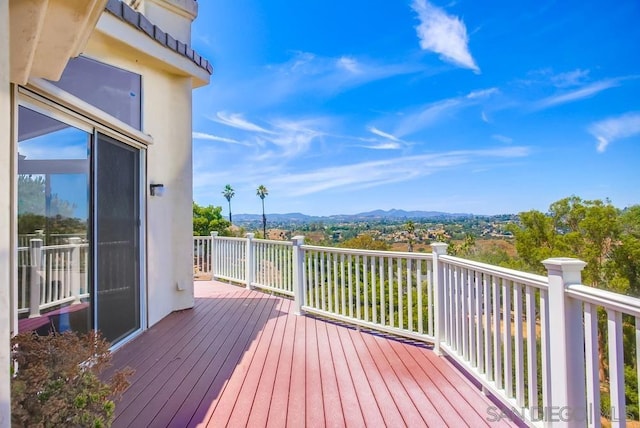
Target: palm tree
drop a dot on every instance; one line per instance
(262, 192)
(411, 230)
(228, 193)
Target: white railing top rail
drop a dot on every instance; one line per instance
(226, 238)
(607, 299)
(379, 253)
(530, 279)
(63, 246)
(274, 241)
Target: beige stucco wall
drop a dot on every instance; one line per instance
(5, 214)
(166, 117)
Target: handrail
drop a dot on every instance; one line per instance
(531, 279)
(522, 336)
(51, 275)
(604, 298)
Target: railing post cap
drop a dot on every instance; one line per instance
(298, 239)
(75, 240)
(214, 233)
(249, 235)
(564, 264)
(439, 247)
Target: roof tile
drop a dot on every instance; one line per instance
(182, 48)
(127, 14)
(160, 35)
(115, 7)
(146, 25)
(172, 43)
(130, 15)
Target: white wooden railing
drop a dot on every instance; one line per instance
(549, 348)
(52, 275)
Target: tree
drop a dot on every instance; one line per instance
(588, 230)
(626, 256)
(208, 219)
(411, 237)
(365, 242)
(262, 193)
(33, 200)
(229, 193)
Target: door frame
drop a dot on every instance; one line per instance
(68, 109)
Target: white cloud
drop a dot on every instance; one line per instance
(383, 134)
(443, 34)
(482, 93)
(502, 138)
(211, 137)
(281, 140)
(570, 78)
(349, 64)
(435, 112)
(293, 137)
(615, 128)
(389, 145)
(317, 76)
(369, 174)
(236, 120)
(578, 94)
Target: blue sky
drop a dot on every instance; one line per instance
(339, 107)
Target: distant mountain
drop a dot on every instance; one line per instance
(392, 214)
(291, 217)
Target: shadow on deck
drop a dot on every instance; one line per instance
(242, 358)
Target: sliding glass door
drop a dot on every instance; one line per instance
(117, 237)
(53, 290)
(79, 226)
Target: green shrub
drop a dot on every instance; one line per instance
(57, 381)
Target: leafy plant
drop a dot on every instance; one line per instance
(58, 383)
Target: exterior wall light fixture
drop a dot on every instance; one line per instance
(156, 189)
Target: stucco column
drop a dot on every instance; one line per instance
(5, 215)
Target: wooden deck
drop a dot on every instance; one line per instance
(242, 358)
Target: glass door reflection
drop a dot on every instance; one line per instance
(54, 290)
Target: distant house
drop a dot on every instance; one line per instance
(95, 166)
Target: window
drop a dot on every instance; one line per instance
(113, 90)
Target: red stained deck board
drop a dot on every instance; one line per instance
(375, 402)
(419, 372)
(296, 406)
(212, 381)
(175, 325)
(389, 378)
(333, 410)
(383, 397)
(277, 416)
(415, 399)
(187, 388)
(468, 401)
(217, 404)
(259, 412)
(313, 392)
(349, 399)
(156, 350)
(242, 358)
(165, 360)
(247, 387)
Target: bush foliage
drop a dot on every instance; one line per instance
(56, 381)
